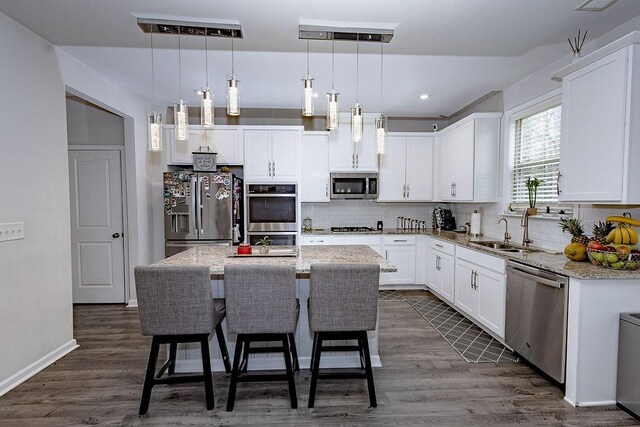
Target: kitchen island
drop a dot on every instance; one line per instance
(216, 257)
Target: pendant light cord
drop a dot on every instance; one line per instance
(206, 56)
(358, 70)
(153, 78)
(333, 63)
(307, 58)
(232, 64)
(179, 65)
(381, 74)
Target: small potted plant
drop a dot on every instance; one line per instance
(532, 187)
(264, 249)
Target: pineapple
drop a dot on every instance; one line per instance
(601, 230)
(574, 226)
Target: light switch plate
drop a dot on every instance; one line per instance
(11, 231)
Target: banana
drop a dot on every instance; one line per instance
(618, 239)
(611, 236)
(633, 236)
(624, 220)
(625, 235)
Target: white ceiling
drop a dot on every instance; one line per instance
(456, 50)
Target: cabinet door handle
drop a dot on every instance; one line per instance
(326, 190)
(358, 160)
(386, 255)
(455, 189)
(270, 169)
(439, 246)
(408, 191)
(400, 240)
(353, 161)
(558, 183)
(404, 191)
(274, 168)
(471, 279)
(451, 190)
(438, 262)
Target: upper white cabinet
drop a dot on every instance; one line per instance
(600, 137)
(347, 156)
(271, 154)
(467, 153)
(315, 167)
(223, 140)
(406, 169)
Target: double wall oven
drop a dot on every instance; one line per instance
(272, 210)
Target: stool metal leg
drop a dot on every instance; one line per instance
(223, 348)
(360, 346)
(233, 383)
(317, 346)
(246, 349)
(149, 380)
(206, 370)
(173, 349)
(294, 352)
(290, 378)
(369, 370)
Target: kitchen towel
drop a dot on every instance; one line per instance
(475, 222)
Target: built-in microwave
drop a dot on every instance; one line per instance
(345, 185)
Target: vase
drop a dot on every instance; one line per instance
(532, 211)
(264, 250)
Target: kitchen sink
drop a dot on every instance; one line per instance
(506, 247)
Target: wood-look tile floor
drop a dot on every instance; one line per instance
(423, 382)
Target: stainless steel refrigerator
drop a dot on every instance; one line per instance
(201, 209)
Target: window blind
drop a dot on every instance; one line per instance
(536, 154)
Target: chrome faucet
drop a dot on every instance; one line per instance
(507, 236)
(524, 222)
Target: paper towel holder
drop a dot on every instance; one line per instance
(475, 222)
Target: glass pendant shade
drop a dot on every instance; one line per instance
(356, 123)
(331, 120)
(381, 134)
(206, 108)
(181, 120)
(308, 100)
(154, 130)
(233, 97)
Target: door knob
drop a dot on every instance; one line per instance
(115, 235)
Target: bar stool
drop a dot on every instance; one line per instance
(175, 306)
(343, 305)
(261, 306)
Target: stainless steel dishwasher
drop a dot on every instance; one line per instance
(536, 317)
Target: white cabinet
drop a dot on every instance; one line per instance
(315, 239)
(401, 252)
(271, 154)
(467, 165)
(600, 138)
(315, 167)
(374, 242)
(406, 169)
(480, 289)
(442, 269)
(222, 140)
(347, 156)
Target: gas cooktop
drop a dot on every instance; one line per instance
(351, 229)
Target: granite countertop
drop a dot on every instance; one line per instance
(546, 259)
(216, 257)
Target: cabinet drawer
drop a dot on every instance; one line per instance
(484, 260)
(315, 240)
(398, 240)
(356, 240)
(439, 245)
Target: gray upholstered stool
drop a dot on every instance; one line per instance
(343, 305)
(176, 306)
(261, 306)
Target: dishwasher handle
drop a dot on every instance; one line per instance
(537, 279)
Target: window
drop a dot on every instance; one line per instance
(536, 154)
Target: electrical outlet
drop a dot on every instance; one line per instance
(11, 231)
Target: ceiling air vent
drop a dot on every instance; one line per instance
(595, 5)
(313, 32)
(190, 28)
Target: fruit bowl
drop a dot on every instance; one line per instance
(614, 260)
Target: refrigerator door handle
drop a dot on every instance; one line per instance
(196, 206)
(200, 207)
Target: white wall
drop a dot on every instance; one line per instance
(88, 124)
(35, 273)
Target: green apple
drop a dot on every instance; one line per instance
(617, 265)
(597, 256)
(612, 258)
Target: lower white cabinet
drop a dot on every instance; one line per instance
(311, 240)
(401, 252)
(442, 267)
(480, 288)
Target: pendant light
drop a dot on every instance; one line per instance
(381, 122)
(154, 119)
(233, 106)
(308, 100)
(207, 102)
(356, 111)
(180, 108)
(331, 120)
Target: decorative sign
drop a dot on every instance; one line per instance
(204, 161)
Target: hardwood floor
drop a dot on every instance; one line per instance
(423, 382)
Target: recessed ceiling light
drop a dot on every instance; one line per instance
(595, 5)
(424, 96)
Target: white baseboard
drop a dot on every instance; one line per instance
(258, 363)
(588, 404)
(402, 287)
(24, 374)
(133, 303)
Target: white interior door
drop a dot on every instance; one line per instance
(97, 241)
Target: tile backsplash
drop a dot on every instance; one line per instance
(544, 231)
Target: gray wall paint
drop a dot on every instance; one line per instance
(493, 102)
(88, 124)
